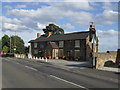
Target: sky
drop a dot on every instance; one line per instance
(29, 18)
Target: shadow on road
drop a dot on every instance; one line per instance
(78, 65)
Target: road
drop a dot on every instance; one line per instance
(19, 73)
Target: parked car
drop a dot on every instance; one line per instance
(2, 54)
(6, 54)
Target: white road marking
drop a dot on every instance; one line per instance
(31, 68)
(69, 82)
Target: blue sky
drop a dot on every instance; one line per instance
(28, 18)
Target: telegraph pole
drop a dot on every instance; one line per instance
(15, 42)
(10, 44)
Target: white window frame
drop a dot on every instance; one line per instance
(35, 45)
(77, 43)
(61, 44)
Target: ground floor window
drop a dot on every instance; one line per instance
(61, 54)
(35, 51)
(77, 54)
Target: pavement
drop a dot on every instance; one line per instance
(111, 69)
(24, 73)
(69, 64)
(66, 64)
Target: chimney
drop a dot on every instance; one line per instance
(92, 31)
(49, 33)
(38, 35)
(92, 25)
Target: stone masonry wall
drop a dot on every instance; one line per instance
(104, 57)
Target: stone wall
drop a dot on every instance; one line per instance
(104, 57)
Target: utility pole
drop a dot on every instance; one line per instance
(15, 42)
(10, 44)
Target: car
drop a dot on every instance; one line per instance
(2, 54)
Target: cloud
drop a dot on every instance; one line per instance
(13, 27)
(68, 26)
(72, 5)
(41, 26)
(9, 20)
(8, 7)
(107, 17)
(53, 13)
(81, 18)
(108, 40)
(110, 6)
(21, 6)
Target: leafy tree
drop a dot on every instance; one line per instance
(5, 41)
(54, 29)
(5, 49)
(17, 45)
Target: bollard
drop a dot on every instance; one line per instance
(42, 58)
(36, 58)
(46, 59)
(39, 58)
(33, 57)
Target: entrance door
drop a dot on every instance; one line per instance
(55, 54)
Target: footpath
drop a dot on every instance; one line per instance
(84, 68)
(66, 64)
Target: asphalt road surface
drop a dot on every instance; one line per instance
(19, 73)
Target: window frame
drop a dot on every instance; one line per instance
(61, 44)
(35, 45)
(77, 43)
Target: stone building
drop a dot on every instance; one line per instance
(72, 46)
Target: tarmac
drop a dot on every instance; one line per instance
(66, 64)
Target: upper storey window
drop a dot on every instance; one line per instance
(35, 45)
(77, 43)
(61, 44)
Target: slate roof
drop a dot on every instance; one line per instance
(68, 36)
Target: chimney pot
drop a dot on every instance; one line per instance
(38, 35)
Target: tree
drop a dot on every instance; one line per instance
(17, 45)
(56, 30)
(5, 49)
(5, 41)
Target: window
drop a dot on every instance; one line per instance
(77, 43)
(61, 53)
(41, 46)
(35, 51)
(77, 54)
(35, 45)
(61, 43)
